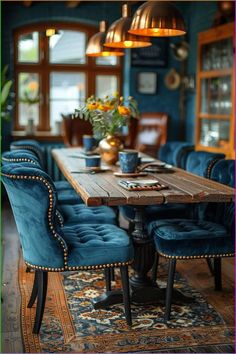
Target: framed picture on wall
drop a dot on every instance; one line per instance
(154, 56)
(147, 83)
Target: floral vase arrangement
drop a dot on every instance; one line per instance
(108, 116)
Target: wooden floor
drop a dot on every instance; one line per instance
(195, 271)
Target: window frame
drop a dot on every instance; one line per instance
(44, 68)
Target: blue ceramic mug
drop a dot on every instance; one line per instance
(128, 161)
(93, 161)
(89, 142)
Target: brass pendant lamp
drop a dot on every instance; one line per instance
(157, 19)
(118, 35)
(96, 48)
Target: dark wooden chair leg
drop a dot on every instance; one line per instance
(154, 267)
(42, 292)
(108, 279)
(210, 265)
(112, 272)
(169, 289)
(217, 273)
(126, 294)
(34, 292)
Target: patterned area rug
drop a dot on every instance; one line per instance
(70, 323)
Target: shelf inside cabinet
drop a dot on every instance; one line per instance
(214, 116)
(215, 90)
(215, 73)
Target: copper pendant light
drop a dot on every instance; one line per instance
(157, 19)
(118, 36)
(96, 48)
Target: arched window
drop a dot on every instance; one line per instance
(53, 76)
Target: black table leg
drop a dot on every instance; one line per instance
(143, 289)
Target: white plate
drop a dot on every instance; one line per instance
(145, 182)
(147, 159)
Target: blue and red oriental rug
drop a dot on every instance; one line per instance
(70, 324)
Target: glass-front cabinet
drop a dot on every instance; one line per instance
(215, 91)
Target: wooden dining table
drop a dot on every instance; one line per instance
(102, 188)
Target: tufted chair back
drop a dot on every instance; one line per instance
(33, 200)
(32, 146)
(175, 153)
(202, 162)
(222, 172)
(19, 156)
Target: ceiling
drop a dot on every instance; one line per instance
(69, 3)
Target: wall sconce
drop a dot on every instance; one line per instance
(118, 35)
(157, 19)
(96, 44)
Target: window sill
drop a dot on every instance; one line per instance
(40, 136)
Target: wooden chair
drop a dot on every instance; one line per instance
(74, 129)
(149, 132)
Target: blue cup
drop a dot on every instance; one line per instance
(93, 161)
(128, 161)
(89, 142)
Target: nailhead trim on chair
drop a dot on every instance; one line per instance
(59, 218)
(19, 160)
(209, 168)
(100, 266)
(33, 162)
(199, 256)
(50, 195)
(48, 269)
(28, 147)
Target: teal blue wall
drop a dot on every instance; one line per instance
(198, 17)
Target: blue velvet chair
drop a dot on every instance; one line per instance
(197, 162)
(175, 153)
(211, 236)
(68, 214)
(48, 247)
(66, 194)
(201, 162)
(31, 145)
